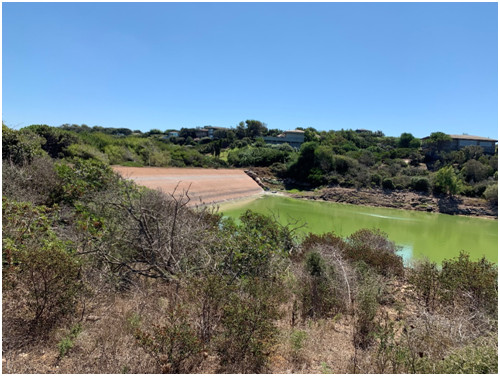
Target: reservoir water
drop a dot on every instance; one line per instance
(435, 236)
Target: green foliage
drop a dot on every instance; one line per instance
(38, 264)
(319, 288)
(480, 357)
(86, 152)
(387, 183)
(474, 282)
(56, 140)
(255, 247)
(373, 248)
(405, 140)
(446, 181)
(420, 184)
(368, 246)
(82, 178)
(67, 342)
(248, 328)
(376, 180)
(425, 278)
(297, 339)
(257, 156)
(475, 171)
(491, 193)
(459, 281)
(20, 147)
(366, 307)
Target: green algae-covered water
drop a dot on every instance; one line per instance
(435, 236)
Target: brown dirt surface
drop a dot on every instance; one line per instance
(204, 186)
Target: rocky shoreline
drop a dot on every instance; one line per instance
(404, 200)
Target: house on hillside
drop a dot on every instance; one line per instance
(294, 138)
(212, 130)
(200, 133)
(460, 141)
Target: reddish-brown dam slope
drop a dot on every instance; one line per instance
(204, 186)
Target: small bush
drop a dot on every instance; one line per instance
(321, 290)
(480, 357)
(491, 193)
(366, 307)
(38, 267)
(473, 282)
(248, 329)
(420, 184)
(376, 180)
(425, 278)
(373, 248)
(67, 342)
(388, 184)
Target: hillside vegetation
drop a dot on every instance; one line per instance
(343, 158)
(103, 276)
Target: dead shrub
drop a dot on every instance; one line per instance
(175, 345)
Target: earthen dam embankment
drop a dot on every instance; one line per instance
(204, 186)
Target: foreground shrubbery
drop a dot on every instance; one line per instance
(190, 291)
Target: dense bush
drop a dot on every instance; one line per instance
(474, 282)
(491, 193)
(388, 184)
(460, 281)
(248, 327)
(20, 147)
(258, 156)
(41, 275)
(421, 184)
(321, 288)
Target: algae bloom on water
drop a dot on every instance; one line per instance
(418, 234)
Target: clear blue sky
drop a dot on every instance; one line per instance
(394, 67)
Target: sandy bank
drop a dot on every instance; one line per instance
(204, 186)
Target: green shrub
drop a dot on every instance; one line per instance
(376, 180)
(491, 193)
(21, 147)
(84, 151)
(425, 278)
(373, 248)
(38, 265)
(67, 342)
(83, 178)
(480, 357)
(387, 183)
(319, 288)
(366, 307)
(248, 328)
(420, 184)
(473, 282)
(446, 181)
(257, 247)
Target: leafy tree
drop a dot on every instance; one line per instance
(56, 140)
(255, 129)
(446, 181)
(405, 140)
(475, 171)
